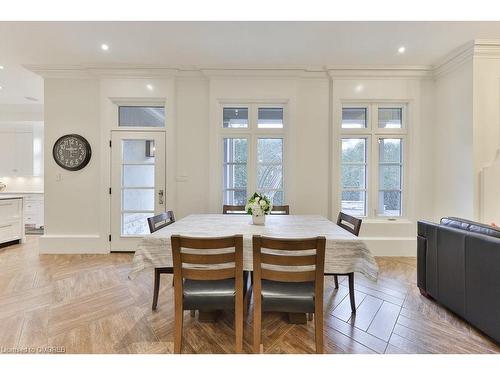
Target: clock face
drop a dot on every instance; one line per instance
(72, 152)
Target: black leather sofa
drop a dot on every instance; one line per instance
(458, 265)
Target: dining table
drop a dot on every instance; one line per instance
(344, 252)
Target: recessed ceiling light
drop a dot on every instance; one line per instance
(1, 87)
(104, 47)
(402, 49)
(149, 86)
(1, 67)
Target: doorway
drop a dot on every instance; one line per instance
(137, 185)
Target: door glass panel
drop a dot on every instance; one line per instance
(137, 185)
(138, 199)
(138, 151)
(135, 223)
(138, 176)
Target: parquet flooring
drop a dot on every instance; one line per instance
(87, 304)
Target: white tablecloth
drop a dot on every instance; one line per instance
(344, 252)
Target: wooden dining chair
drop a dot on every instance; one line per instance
(156, 223)
(287, 280)
(208, 279)
(353, 225)
(233, 209)
(281, 210)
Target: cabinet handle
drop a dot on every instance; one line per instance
(5, 226)
(5, 204)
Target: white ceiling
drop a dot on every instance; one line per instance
(203, 44)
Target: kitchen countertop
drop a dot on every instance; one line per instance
(11, 196)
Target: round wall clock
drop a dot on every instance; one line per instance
(72, 152)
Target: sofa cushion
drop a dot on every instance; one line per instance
(471, 226)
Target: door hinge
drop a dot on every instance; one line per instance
(109, 190)
(110, 143)
(109, 238)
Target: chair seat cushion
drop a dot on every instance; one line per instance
(287, 297)
(209, 295)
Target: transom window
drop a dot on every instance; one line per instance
(141, 116)
(373, 138)
(253, 140)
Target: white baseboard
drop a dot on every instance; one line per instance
(392, 246)
(73, 244)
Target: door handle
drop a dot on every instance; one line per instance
(160, 196)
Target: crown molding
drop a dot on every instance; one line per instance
(478, 48)
(454, 60)
(379, 71)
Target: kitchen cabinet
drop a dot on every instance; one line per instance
(16, 154)
(11, 218)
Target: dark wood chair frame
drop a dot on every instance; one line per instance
(164, 219)
(354, 228)
(316, 275)
(182, 271)
(240, 210)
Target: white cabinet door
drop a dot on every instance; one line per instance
(7, 154)
(16, 154)
(24, 154)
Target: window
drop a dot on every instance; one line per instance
(253, 141)
(372, 160)
(141, 116)
(235, 117)
(270, 118)
(354, 176)
(354, 118)
(270, 168)
(390, 168)
(235, 170)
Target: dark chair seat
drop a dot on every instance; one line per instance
(288, 297)
(209, 295)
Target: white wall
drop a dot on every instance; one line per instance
(453, 144)
(486, 138)
(72, 198)
(445, 154)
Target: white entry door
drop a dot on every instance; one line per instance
(137, 185)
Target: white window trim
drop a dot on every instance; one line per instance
(373, 133)
(252, 134)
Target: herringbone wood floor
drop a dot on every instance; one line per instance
(87, 304)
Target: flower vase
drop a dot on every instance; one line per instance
(259, 219)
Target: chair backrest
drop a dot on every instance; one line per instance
(355, 223)
(286, 261)
(281, 210)
(215, 262)
(233, 210)
(160, 221)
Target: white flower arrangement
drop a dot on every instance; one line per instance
(258, 205)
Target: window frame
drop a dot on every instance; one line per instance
(253, 133)
(373, 133)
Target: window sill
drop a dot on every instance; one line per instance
(387, 221)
